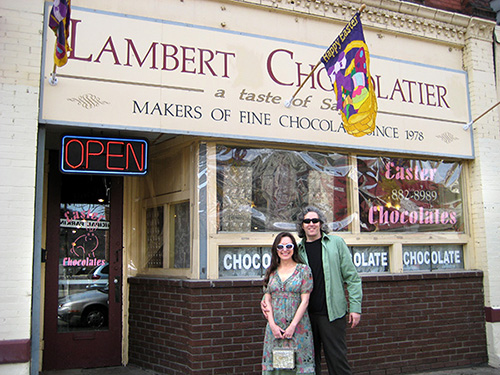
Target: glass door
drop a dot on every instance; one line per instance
(83, 277)
(83, 289)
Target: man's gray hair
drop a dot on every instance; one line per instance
(321, 216)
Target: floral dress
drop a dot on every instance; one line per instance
(286, 298)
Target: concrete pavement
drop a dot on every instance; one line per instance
(120, 370)
(133, 370)
(483, 370)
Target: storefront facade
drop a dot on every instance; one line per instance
(159, 163)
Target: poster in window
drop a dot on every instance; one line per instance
(397, 194)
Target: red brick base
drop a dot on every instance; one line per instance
(410, 323)
(492, 314)
(15, 351)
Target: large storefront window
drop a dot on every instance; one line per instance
(262, 190)
(251, 193)
(409, 195)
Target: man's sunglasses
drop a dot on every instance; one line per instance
(288, 246)
(314, 221)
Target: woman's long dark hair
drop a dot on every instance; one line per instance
(275, 259)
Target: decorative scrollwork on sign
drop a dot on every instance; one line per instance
(447, 137)
(88, 101)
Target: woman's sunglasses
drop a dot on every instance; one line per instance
(314, 221)
(288, 246)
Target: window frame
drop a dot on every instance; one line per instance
(166, 201)
(205, 239)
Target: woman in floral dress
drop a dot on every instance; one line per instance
(287, 286)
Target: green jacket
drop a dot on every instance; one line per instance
(338, 269)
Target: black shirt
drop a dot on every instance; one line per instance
(317, 301)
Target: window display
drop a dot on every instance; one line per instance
(263, 190)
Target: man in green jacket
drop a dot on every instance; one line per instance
(330, 261)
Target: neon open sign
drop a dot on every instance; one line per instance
(111, 156)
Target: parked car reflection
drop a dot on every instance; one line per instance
(86, 309)
(83, 279)
(100, 273)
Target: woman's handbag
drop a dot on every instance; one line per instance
(284, 354)
(284, 358)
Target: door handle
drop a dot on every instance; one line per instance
(117, 253)
(118, 289)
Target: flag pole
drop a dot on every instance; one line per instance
(289, 102)
(53, 77)
(467, 126)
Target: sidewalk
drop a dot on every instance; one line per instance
(133, 370)
(464, 371)
(120, 370)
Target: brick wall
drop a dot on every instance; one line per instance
(477, 8)
(410, 323)
(195, 327)
(414, 323)
(451, 5)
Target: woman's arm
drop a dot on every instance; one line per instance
(304, 302)
(264, 307)
(277, 331)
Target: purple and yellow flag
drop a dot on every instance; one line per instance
(347, 63)
(59, 23)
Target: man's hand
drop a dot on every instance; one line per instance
(354, 319)
(264, 308)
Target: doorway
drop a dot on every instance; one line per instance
(83, 277)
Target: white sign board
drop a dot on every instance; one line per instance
(139, 73)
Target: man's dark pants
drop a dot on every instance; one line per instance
(330, 335)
